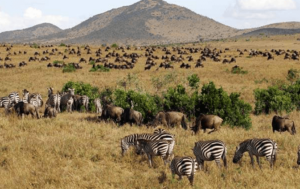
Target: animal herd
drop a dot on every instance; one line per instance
(161, 143)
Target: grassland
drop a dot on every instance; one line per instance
(75, 151)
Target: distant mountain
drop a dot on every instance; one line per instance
(29, 33)
(143, 23)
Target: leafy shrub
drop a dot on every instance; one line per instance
(34, 45)
(272, 99)
(83, 89)
(58, 62)
(99, 68)
(69, 68)
(234, 111)
(114, 45)
(92, 62)
(194, 81)
(62, 45)
(238, 70)
(293, 75)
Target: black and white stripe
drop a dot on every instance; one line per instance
(14, 97)
(209, 151)
(153, 148)
(130, 140)
(53, 100)
(84, 101)
(98, 106)
(184, 166)
(36, 100)
(5, 102)
(257, 147)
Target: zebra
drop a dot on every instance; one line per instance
(184, 166)
(298, 161)
(34, 98)
(209, 151)
(14, 97)
(5, 102)
(98, 106)
(53, 100)
(84, 101)
(257, 147)
(153, 148)
(159, 130)
(130, 140)
(67, 99)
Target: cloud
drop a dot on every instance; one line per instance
(266, 4)
(237, 13)
(31, 17)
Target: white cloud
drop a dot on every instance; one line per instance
(237, 13)
(33, 13)
(31, 17)
(267, 4)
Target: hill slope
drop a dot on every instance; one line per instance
(29, 33)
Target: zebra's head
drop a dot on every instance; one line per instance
(238, 155)
(298, 161)
(159, 131)
(50, 91)
(139, 146)
(71, 91)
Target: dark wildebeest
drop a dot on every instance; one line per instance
(207, 122)
(112, 112)
(131, 116)
(49, 112)
(170, 119)
(25, 108)
(282, 124)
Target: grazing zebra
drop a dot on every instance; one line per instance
(159, 130)
(184, 166)
(257, 147)
(209, 151)
(153, 148)
(5, 102)
(298, 161)
(98, 106)
(53, 100)
(67, 100)
(14, 97)
(84, 101)
(130, 140)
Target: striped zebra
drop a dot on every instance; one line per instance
(298, 161)
(130, 140)
(153, 148)
(14, 97)
(34, 98)
(159, 130)
(98, 106)
(67, 100)
(84, 101)
(53, 100)
(184, 166)
(257, 147)
(5, 103)
(209, 151)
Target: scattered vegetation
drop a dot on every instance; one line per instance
(99, 68)
(69, 68)
(62, 45)
(114, 45)
(238, 70)
(58, 62)
(293, 75)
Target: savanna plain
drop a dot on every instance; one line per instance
(74, 150)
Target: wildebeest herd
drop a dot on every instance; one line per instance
(161, 142)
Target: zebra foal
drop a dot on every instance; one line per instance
(259, 148)
(184, 166)
(209, 151)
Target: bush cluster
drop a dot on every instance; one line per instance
(99, 68)
(278, 98)
(69, 68)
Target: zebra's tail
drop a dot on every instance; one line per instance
(224, 157)
(274, 153)
(183, 122)
(193, 172)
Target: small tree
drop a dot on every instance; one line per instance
(194, 81)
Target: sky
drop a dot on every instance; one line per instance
(240, 14)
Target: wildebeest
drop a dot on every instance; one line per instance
(132, 116)
(112, 112)
(207, 122)
(170, 119)
(282, 124)
(22, 108)
(49, 112)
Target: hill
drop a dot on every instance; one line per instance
(29, 33)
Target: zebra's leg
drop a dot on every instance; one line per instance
(252, 160)
(191, 179)
(180, 177)
(212, 131)
(218, 163)
(150, 159)
(225, 161)
(258, 162)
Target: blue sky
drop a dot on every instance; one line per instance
(19, 14)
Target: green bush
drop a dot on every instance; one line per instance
(238, 70)
(62, 45)
(34, 45)
(234, 111)
(272, 99)
(58, 62)
(69, 68)
(293, 75)
(194, 81)
(83, 89)
(99, 68)
(114, 45)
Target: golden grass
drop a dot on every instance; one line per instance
(74, 151)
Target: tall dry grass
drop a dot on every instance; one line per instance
(75, 151)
